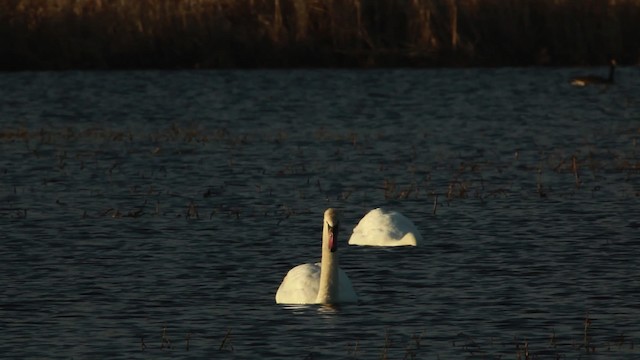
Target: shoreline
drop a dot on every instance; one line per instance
(226, 34)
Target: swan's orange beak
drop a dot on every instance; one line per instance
(333, 234)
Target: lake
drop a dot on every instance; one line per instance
(153, 214)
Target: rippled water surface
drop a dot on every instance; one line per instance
(154, 214)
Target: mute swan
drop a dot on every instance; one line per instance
(319, 283)
(385, 228)
(594, 79)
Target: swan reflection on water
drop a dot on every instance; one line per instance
(321, 309)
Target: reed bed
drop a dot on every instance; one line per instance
(101, 34)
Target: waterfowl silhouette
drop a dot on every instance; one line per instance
(594, 79)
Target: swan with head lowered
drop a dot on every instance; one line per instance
(382, 227)
(323, 282)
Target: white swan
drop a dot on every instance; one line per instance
(319, 283)
(385, 228)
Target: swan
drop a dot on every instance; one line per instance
(382, 227)
(323, 282)
(594, 79)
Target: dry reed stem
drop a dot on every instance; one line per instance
(586, 337)
(574, 169)
(192, 211)
(226, 341)
(435, 204)
(165, 339)
(353, 351)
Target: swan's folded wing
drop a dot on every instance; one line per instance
(300, 285)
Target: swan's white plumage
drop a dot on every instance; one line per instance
(385, 228)
(301, 284)
(319, 283)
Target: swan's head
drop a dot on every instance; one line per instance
(331, 227)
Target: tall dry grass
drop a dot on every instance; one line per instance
(246, 33)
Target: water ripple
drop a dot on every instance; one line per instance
(153, 214)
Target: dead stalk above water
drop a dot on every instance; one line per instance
(539, 186)
(523, 351)
(192, 211)
(188, 338)
(226, 342)
(435, 204)
(586, 337)
(387, 345)
(574, 169)
(166, 343)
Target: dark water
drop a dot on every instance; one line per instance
(154, 214)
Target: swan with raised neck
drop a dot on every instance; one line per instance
(329, 287)
(319, 283)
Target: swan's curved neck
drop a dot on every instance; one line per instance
(329, 286)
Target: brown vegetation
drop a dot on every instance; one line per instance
(56, 34)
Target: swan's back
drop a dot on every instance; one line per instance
(301, 284)
(385, 228)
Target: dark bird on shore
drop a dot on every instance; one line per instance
(594, 79)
